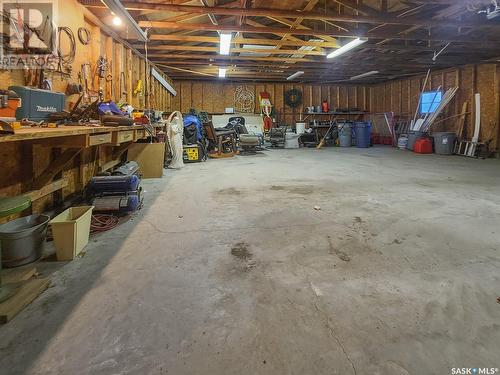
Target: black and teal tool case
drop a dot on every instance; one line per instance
(36, 104)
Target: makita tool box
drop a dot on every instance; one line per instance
(37, 104)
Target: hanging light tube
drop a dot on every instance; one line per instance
(346, 48)
(364, 75)
(225, 43)
(222, 72)
(295, 75)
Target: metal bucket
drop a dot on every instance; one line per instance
(22, 240)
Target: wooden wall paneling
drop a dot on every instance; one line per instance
(108, 92)
(135, 79)
(404, 99)
(351, 97)
(41, 159)
(218, 100)
(333, 97)
(316, 95)
(228, 96)
(496, 81)
(208, 97)
(95, 52)
(197, 95)
(358, 100)
(279, 99)
(466, 94)
(363, 98)
(186, 103)
(387, 95)
(486, 87)
(175, 104)
(128, 75)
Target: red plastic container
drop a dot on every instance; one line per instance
(423, 146)
(387, 140)
(375, 139)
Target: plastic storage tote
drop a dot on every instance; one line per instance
(71, 230)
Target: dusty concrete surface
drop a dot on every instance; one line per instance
(229, 269)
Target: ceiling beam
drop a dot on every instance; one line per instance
(300, 43)
(240, 40)
(376, 17)
(320, 33)
(235, 50)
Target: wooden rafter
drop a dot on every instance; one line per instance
(373, 17)
(308, 32)
(402, 36)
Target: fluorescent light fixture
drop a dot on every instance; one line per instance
(295, 75)
(222, 72)
(163, 82)
(225, 43)
(346, 48)
(117, 21)
(116, 7)
(364, 75)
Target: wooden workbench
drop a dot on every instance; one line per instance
(72, 141)
(35, 133)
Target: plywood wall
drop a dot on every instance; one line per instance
(214, 97)
(120, 57)
(22, 161)
(398, 96)
(401, 97)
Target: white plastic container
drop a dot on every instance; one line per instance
(71, 231)
(300, 127)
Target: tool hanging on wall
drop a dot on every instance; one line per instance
(86, 78)
(123, 88)
(138, 88)
(73, 89)
(66, 59)
(84, 36)
(101, 67)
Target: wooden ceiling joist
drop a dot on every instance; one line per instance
(319, 33)
(236, 50)
(402, 37)
(376, 17)
(239, 40)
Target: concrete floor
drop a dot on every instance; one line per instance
(229, 269)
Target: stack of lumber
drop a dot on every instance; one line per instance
(30, 287)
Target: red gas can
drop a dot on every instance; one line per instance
(423, 146)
